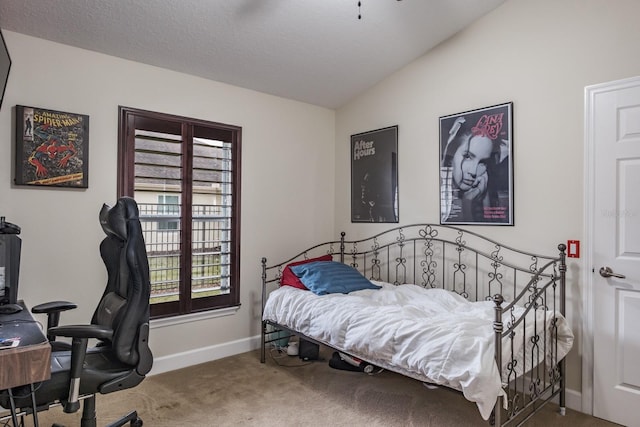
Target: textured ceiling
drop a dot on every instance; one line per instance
(315, 51)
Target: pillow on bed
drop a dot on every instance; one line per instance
(329, 277)
(290, 279)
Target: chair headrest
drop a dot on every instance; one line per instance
(114, 219)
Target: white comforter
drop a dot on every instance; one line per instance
(431, 335)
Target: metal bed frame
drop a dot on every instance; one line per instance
(477, 268)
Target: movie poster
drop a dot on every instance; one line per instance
(374, 176)
(52, 148)
(476, 172)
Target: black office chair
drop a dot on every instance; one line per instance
(120, 323)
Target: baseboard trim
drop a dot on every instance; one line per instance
(573, 399)
(197, 356)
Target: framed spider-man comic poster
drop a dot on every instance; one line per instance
(52, 148)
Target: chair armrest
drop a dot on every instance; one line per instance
(53, 310)
(82, 331)
(53, 306)
(80, 335)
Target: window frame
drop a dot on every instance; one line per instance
(131, 119)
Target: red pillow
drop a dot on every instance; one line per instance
(290, 279)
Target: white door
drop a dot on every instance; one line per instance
(613, 132)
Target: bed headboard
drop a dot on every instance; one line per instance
(441, 256)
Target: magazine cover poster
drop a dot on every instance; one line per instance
(52, 148)
(476, 173)
(374, 176)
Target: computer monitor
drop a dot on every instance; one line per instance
(10, 246)
(5, 66)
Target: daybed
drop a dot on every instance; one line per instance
(440, 304)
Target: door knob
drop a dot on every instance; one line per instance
(607, 272)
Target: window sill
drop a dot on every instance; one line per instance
(192, 317)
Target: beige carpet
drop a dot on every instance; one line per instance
(285, 391)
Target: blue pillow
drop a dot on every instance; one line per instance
(331, 277)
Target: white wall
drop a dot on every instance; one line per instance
(280, 196)
(538, 54)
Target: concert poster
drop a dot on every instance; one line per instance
(374, 176)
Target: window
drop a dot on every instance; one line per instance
(185, 175)
(168, 206)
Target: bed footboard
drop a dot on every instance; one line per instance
(528, 388)
(528, 291)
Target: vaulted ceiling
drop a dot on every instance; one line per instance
(315, 51)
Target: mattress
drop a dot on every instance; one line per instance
(432, 335)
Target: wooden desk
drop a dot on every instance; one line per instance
(30, 361)
(25, 365)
